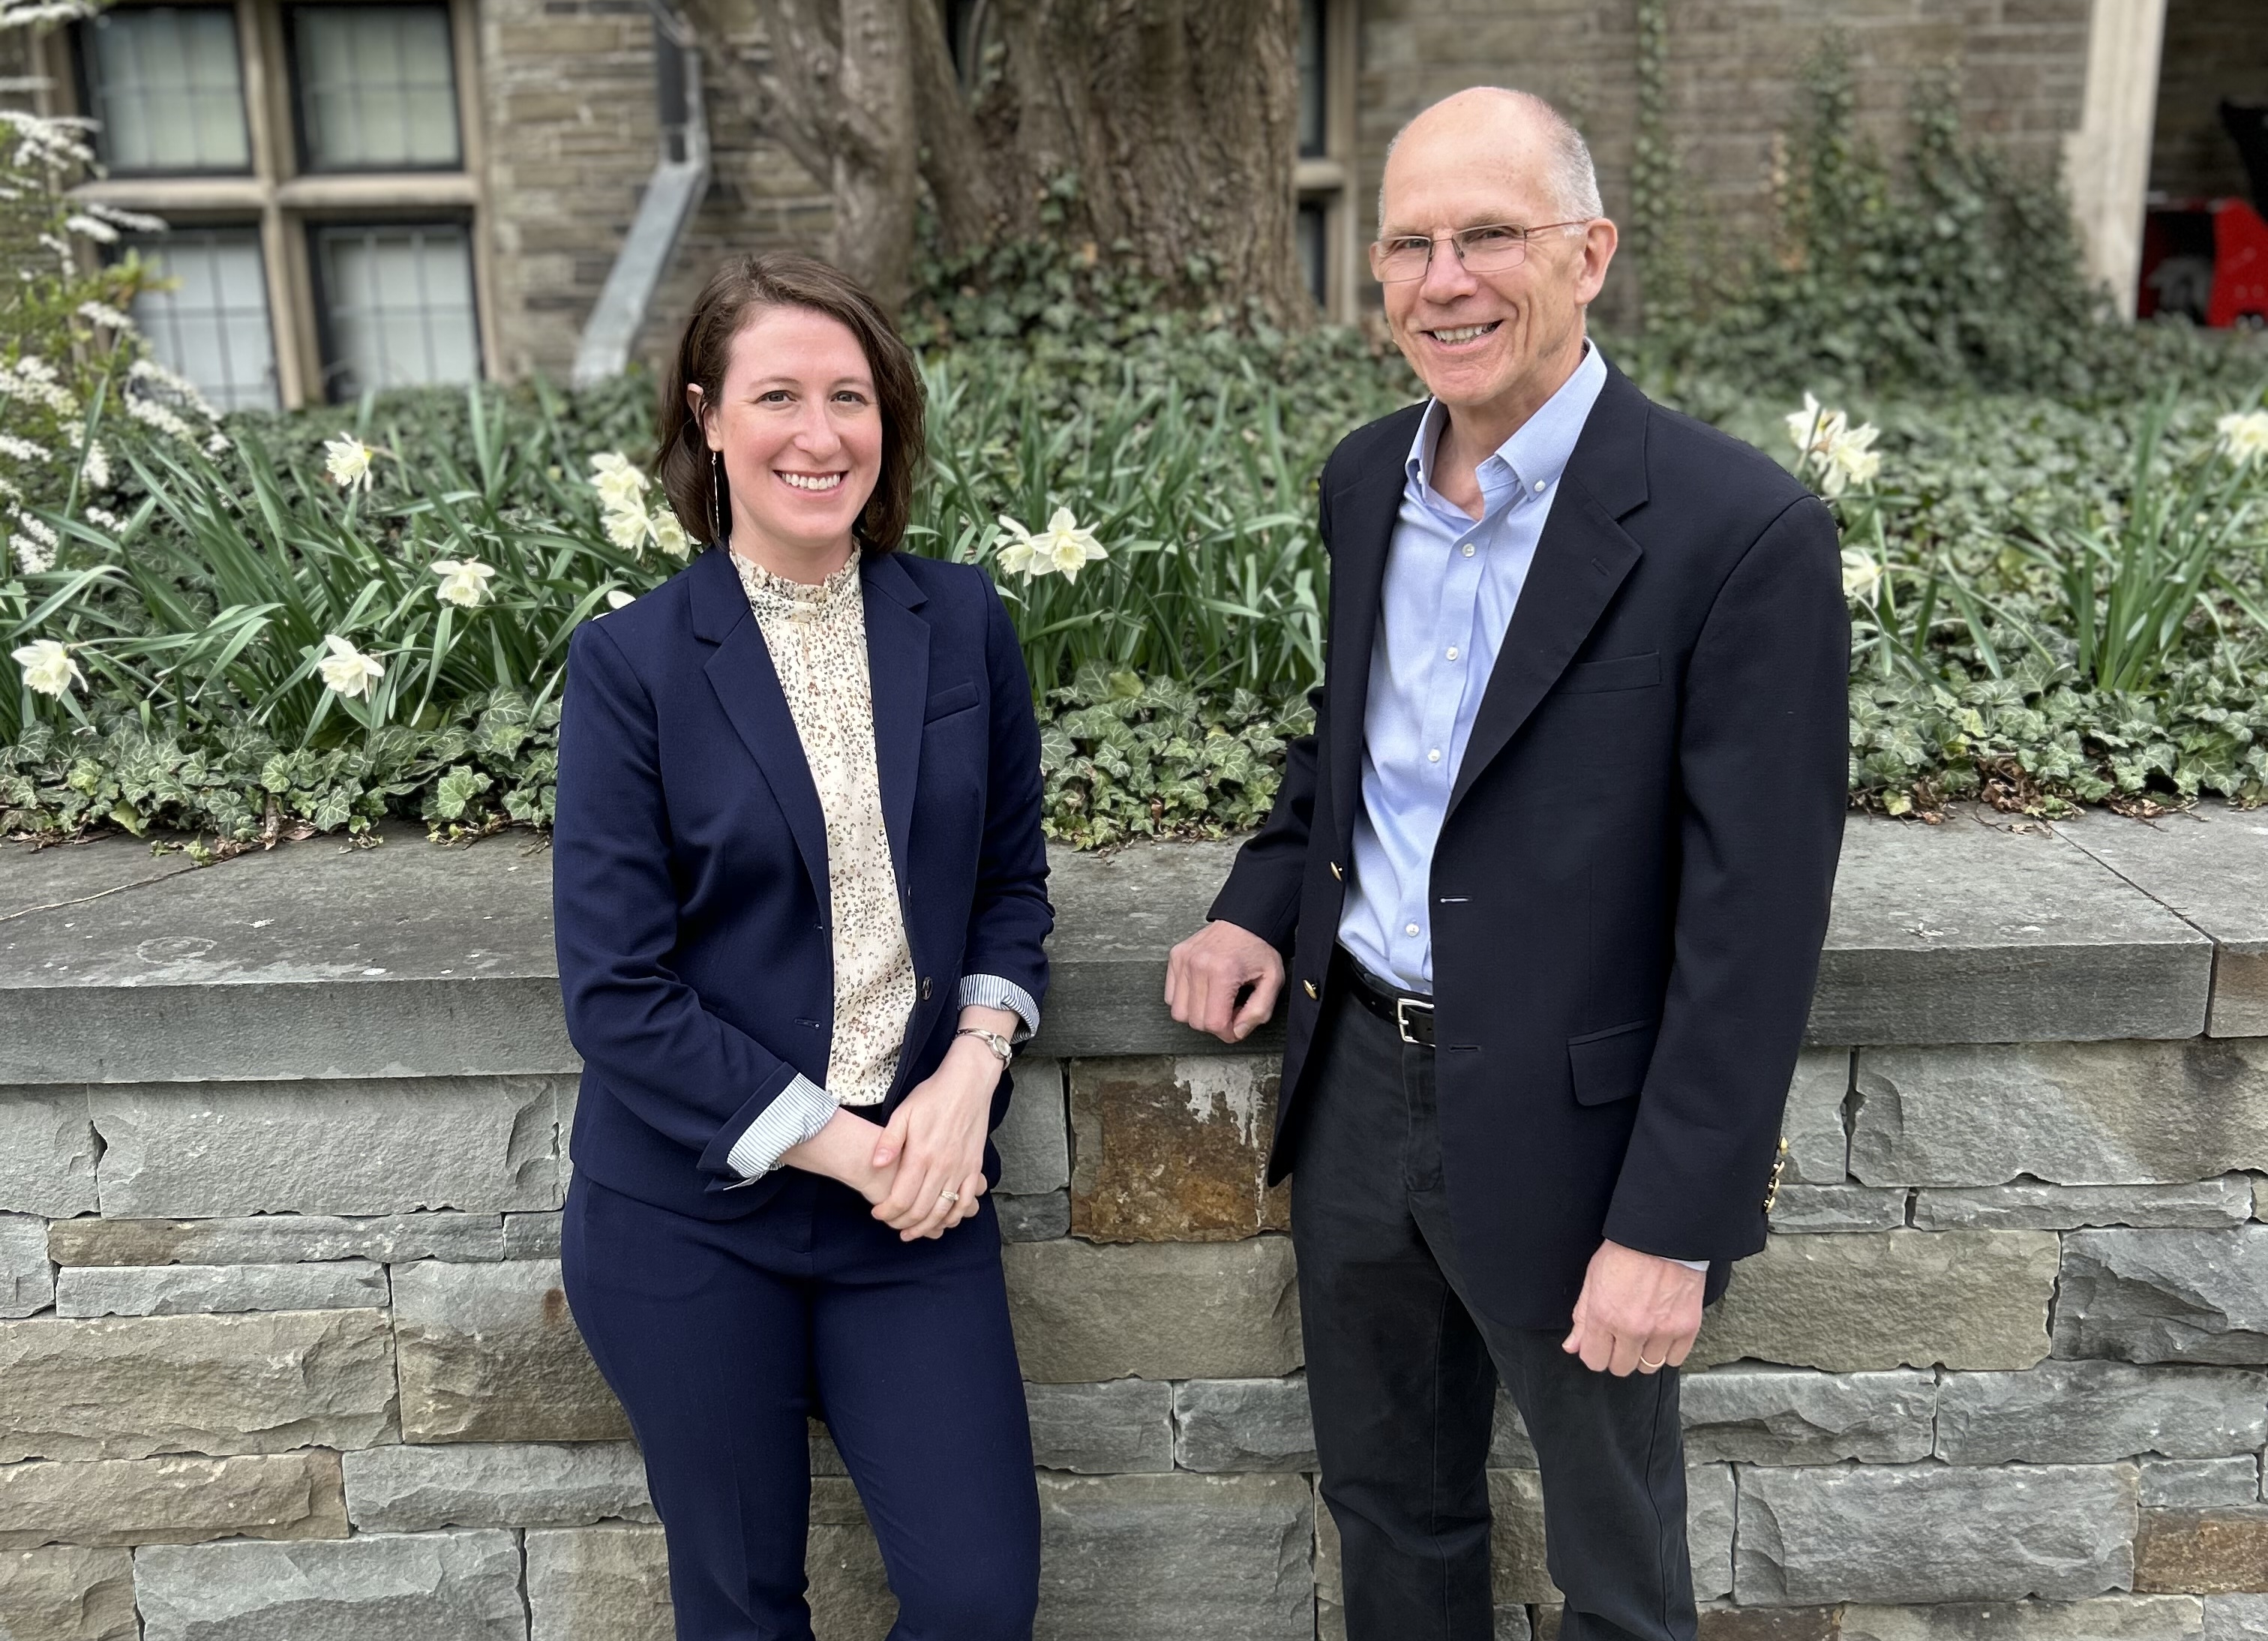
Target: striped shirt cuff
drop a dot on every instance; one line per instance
(801, 1109)
(989, 991)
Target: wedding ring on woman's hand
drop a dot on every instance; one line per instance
(947, 1198)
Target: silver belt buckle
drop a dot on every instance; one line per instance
(1402, 1009)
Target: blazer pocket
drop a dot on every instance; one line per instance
(958, 698)
(1610, 1065)
(1624, 672)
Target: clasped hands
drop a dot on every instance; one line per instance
(923, 1172)
(1637, 1313)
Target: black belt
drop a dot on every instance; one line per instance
(1410, 1015)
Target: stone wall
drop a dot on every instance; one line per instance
(287, 1353)
(568, 90)
(1734, 80)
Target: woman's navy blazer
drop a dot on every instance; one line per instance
(689, 880)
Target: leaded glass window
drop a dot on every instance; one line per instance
(213, 326)
(397, 306)
(166, 84)
(377, 87)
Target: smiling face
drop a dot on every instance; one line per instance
(1495, 345)
(798, 425)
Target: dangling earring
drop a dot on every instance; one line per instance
(719, 528)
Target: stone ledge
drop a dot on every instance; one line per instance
(318, 960)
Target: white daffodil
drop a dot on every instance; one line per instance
(1850, 460)
(48, 667)
(616, 599)
(2244, 436)
(347, 669)
(1062, 548)
(618, 484)
(1830, 450)
(1814, 429)
(463, 581)
(1017, 556)
(347, 459)
(628, 527)
(668, 535)
(1862, 575)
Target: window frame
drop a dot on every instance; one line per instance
(321, 296)
(1328, 179)
(81, 81)
(288, 201)
(291, 13)
(227, 224)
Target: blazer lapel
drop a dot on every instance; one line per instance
(1581, 560)
(1362, 535)
(748, 689)
(897, 664)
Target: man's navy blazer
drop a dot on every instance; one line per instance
(1630, 886)
(689, 883)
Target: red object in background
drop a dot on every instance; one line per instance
(2239, 265)
(2207, 259)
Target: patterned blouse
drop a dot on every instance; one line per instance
(817, 636)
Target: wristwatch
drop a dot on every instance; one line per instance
(991, 1039)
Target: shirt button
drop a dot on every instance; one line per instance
(1468, 549)
(1539, 486)
(1434, 755)
(1452, 652)
(1410, 929)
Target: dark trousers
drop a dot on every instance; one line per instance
(716, 1336)
(1403, 1376)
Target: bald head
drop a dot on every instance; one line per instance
(1517, 131)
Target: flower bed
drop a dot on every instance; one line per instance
(321, 624)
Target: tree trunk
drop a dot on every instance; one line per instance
(875, 175)
(838, 95)
(1176, 119)
(1161, 131)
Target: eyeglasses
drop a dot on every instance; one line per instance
(1490, 248)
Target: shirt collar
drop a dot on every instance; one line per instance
(1538, 450)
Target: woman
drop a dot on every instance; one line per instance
(799, 891)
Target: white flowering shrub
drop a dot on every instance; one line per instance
(68, 347)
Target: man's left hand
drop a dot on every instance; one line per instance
(1638, 1314)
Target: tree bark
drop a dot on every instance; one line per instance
(1175, 118)
(1163, 132)
(838, 95)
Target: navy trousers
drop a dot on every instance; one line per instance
(721, 1338)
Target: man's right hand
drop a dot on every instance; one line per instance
(1207, 972)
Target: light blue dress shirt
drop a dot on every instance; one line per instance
(1451, 583)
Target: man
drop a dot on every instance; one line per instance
(1552, 876)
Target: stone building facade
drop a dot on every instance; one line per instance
(556, 105)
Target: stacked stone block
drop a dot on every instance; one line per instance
(2008, 1346)
(292, 1356)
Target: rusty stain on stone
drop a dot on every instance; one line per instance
(2202, 1552)
(1173, 1150)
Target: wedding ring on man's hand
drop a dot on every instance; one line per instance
(1652, 1367)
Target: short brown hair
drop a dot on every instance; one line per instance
(734, 294)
